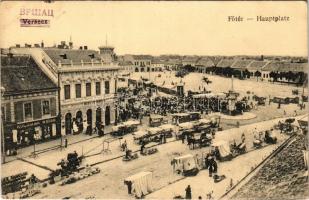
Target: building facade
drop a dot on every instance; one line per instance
(88, 89)
(29, 103)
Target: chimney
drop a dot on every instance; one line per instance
(71, 45)
(42, 44)
(85, 47)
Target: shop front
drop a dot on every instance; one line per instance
(27, 133)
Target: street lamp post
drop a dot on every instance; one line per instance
(2, 130)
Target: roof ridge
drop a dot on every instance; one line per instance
(267, 63)
(250, 64)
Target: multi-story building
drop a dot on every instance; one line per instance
(87, 81)
(29, 103)
(88, 88)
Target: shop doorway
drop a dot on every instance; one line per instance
(98, 116)
(89, 122)
(107, 115)
(79, 120)
(68, 123)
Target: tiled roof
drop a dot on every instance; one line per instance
(285, 67)
(142, 57)
(256, 65)
(174, 61)
(190, 59)
(75, 55)
(157, 62)
(241, 64)
(226, 63)
(125, 63)
(205, 62)
(21, 74)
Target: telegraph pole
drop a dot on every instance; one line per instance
(59, 108)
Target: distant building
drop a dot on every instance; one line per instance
(282, 68)
(29, 105)
(157, 65)
(141, 63)
(173, 64)
(190, 60)
(202, 64)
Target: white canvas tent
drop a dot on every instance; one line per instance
(154, 130)
(223, 147)
(168, 127)
(141, 183)
(205, 121)
(131, 123)
(139, 134)
(184, 163)
(186, 125)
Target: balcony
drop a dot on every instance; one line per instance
(87, 66)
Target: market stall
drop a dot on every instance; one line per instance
(139, 184)
(222, 150)
(125, 128)
(168, 130)
(140, 136)
(154, 133)
(186, 164)
(156, 120)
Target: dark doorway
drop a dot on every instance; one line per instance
(79, 120)
(89, 122)
(107, 115)
(99, 115)
(68, 123)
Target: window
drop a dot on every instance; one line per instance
(97, 88)
(28, 111)
(106, 87)
(3, 113)
(78, 89)
(67, 92)
(45, 107)
(88, 89)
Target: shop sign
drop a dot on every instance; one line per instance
(35, 123)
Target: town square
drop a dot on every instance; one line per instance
(103, 121)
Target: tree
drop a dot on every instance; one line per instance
(246, 73)
(257, 74)
(189, 68)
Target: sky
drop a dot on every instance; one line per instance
(185, 28)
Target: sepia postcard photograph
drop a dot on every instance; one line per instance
(154, 100)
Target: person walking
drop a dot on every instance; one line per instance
(183, 137)
(188, 192)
